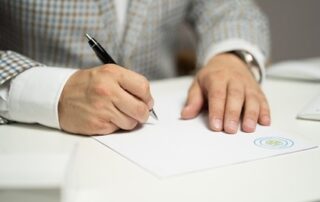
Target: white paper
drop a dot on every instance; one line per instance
(172, 146)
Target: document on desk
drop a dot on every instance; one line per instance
(172, 146)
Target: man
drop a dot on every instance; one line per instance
(44, 53)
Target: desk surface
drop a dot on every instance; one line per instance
(99, 174)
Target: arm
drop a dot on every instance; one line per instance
(11, 64)
(98, 100)
(29, 92)
(224, 81)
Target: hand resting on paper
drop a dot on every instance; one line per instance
(230, 90)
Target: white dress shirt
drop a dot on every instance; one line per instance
(33, 96)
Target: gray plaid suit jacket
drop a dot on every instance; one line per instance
(51, 32)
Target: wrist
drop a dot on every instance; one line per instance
(250, 62)
(227, 57)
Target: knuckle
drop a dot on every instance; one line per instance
(121, 75)
(235, 92)
(144, 86)
(216, 114)
(252, 114)
(109, 128)
(232, 114)
(217, 94)
(109, 68)
(252, 94)
(264, 104)
(101, 90)
(237, 76)
(208, 79)
(265, 110)
(211, 77)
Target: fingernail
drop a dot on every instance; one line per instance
(217, 124)
(265, 120)
(185, 110)
(250, 124)
(232, 126)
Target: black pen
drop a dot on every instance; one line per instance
(106, 58)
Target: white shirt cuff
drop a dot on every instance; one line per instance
(237, 44)
(34, 95)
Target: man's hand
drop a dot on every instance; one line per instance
(231, 93)
(103, 99)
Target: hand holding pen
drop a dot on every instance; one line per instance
(104, 99)
(106, 59)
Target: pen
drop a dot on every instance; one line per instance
(106, 58)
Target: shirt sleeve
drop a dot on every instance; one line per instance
(237, 44)
(33, 95)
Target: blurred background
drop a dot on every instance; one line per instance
(295, 28)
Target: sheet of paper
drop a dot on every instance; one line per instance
(172, 146)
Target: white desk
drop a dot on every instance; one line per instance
(99, 174)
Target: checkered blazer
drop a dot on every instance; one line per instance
(51, 32)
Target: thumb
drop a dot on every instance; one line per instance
(194, 102)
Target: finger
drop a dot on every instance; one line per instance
(194, 102)
(251, 112)
(107, 128)
(216, 93)
(96, 125)
(122, 120)
(136, 85)
(264, 116)
(131, 106)
(234, 104)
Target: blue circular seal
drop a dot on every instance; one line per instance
(273, 142)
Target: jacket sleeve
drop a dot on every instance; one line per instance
(12, 64)
(218, 21)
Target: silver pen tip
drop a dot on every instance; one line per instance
(88, 36)
(153, 114)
